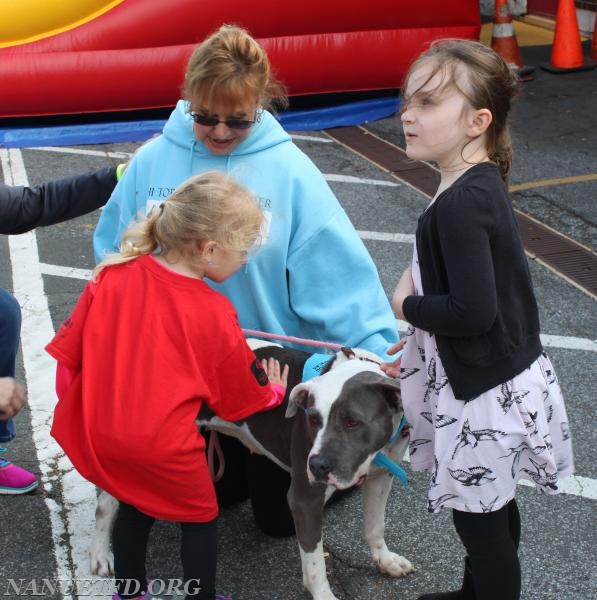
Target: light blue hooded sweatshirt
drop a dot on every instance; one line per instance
(312, 277)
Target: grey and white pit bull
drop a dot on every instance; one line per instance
(326, 433)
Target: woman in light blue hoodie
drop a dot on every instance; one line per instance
(313, 277)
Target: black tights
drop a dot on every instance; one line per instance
(198, 551)
(491, 541)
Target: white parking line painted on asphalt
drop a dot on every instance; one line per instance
(69, 272)
(127, 155)
(89, 152)
(572, 343)
(575, 485)
(353, 179)
(82, 151)
(381, 236)
(78, 495)
(313, 138)
(549, 341)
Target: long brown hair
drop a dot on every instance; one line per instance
(489, 82)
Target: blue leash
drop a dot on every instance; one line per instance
(381, 460)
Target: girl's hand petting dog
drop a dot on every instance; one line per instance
(275, 374)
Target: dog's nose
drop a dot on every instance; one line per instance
(320, 466)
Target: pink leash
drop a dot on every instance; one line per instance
(213, 446)
(289, 338)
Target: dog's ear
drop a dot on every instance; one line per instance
(392, 391)
(298, 397)
(390, 388)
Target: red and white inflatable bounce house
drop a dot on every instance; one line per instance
(89, 56)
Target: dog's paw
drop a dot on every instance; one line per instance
(324, 595)
(102, 562)
(394, 565)
(320, 590)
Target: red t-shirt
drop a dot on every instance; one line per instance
(148, 347)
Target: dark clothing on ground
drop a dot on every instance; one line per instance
(249, 475)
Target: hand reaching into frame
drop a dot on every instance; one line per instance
(12, 397)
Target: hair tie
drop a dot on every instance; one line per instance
(132, 248)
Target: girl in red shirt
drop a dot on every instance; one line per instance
(147, 343)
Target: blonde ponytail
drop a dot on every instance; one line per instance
(210, 206)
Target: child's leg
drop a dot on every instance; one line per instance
(514, 522)
(129, 543)
(491, 540)
(10, 331)
(13, 479)
(198, 552)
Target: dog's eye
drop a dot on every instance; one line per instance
(314, 418)
(351, 423)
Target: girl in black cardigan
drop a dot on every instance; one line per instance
(481, 397)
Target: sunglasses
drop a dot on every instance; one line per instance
(230, 123)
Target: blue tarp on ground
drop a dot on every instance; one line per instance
(352, 113)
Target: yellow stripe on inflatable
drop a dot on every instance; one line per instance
(23, 21)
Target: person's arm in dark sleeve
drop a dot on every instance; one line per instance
(24, 208)
(469, 307)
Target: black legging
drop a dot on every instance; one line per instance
(198, 551)
(491, 541)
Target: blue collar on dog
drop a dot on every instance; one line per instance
(313, 367)
(381, 460)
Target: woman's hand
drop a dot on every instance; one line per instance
(274, 372)
(393, 369)
(405, 288)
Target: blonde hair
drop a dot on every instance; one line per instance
(227, 67)
(206, 207)
(489, 82)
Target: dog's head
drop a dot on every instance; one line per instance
(350, 411)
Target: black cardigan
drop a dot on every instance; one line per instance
(24, 208)
(478, 296)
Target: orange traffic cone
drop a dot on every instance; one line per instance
(566, 52)
(503, 40)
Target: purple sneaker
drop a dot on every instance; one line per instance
(15, 480)
(145, 596)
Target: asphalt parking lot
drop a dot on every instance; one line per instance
(45, 535)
